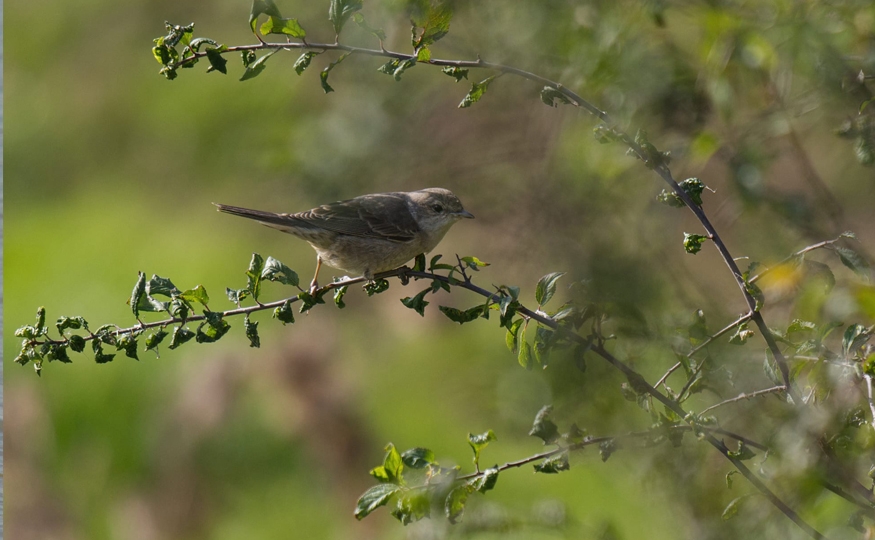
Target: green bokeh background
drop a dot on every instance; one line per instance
(110, 170)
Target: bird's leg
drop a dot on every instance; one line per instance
(315, 284)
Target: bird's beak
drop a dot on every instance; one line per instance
(465, 214)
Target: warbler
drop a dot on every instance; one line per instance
(371, 233)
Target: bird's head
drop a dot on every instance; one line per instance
(436, 209)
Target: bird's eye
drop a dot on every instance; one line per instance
(437, 208)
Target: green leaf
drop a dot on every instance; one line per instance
(77, 343)
(138, 293)
(729, 478)
(607, 448)
(99, 356)
(128, 344)
(479, 442)
(308, 301)
(284, 313)
(419, 263)
(757, 294)
(154, 339)
(741, 335)
(339, 12)
(212, 328)
(59, 353)
(274, 270)
(525, 355)
(462, 317)
(198, 294)
(303, 62)
(197, 42)
(396, 67)
(550, 94)
(412, 505)
(543, 343)
(248, 57)
(854, 261)
(670, 198)
(251, 329)
(474, 263)
(694, 188)
(543, 427)
(254, 69)
(262, 6)
(323, 75)
(693, 242)
(418, 302)
(180, 336)
(392, 467)
(485, 480)
(743, 453)
(855, 336)
(423, 55)
(476, 92)
(456, 72)
(417, 458)
(434, 20)
(547, 287)
(554, 464)
(513, 338)
(236, 295)
(338, 296)
(278, 25)
(73, 323)
(376, 32)
(732, 508)
(454, 505)
(374, 498)
(376, 287)
(253, 275)
(217, 61)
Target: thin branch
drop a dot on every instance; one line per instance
(799, 253)
(699, 347)
(742, 396)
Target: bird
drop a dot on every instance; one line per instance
(371, 233)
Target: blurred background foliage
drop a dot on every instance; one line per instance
(110, 169)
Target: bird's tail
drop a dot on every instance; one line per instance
(268, 218)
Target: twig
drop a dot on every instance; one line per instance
(869, 396)
(739, 397)
(799, 253)
(699, 347)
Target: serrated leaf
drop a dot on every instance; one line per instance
(285, 314)
(251, 330)
(217, 61)
(374, 498)
(741, 335)
(512, 338)
(418, 302)
(479, 442)
(693, 242)
(607, 449)
(476, 92)
(455, 72)
(732, 508)
(154, 339)
(266, 7)
(198, 294)
(138, 293)
(323, 75)
(412, 505)
(554, 464)
(274, 270)
(339, 12)
(485, 481)
(303, 62)
(391, 469)
(547, 287)
(279, 25)
(77, 343)
(212, 329)
(180, 336)
(128, 344)
(254, 69)
(434, 20)
(462, 317)
(338, 296)
(543, 427)
(525, 355)
(454, 504)
(376, 287)
(99, 356)
(854, 261)
(417, 458)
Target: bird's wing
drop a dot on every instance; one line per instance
(384, 215)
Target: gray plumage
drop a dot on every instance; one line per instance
(371, 233)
